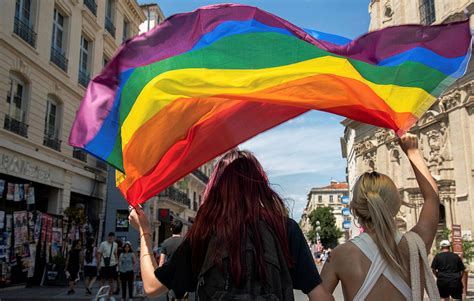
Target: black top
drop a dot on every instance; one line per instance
(74, 260)
(449, 268)
(170, 245)
(177, 274)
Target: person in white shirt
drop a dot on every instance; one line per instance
(107, 259)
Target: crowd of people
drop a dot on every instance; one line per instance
(114, 263)
(243, 246)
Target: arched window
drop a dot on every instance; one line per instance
(17, 102)
(52, 123)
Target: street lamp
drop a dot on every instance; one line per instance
(318, 243)
(318, 228)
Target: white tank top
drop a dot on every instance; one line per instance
(379, 267)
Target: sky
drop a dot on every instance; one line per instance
(304, 152)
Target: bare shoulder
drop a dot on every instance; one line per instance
(344, 252)
(344, 248)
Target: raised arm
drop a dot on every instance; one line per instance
(152, 286)
(429, 216)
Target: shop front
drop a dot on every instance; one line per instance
(41, 213)
(29, 236)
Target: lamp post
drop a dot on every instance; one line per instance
(318, 243)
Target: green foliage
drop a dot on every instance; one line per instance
(467, 245)
(328, 233)
(75, 215)
(468, 249)
(59, 260)
(444, 235)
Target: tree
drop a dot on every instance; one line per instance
(328, 232)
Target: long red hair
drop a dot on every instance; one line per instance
(237, 198)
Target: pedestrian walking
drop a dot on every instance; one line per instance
(170, 245)
(127, 263)
(73, 265)
(242, 245)
(120, 244)
(383, 262)
(107, 260)
(90, 265)
(448, 269)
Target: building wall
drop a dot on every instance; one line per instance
(385, 13)
(321, 197)
(26, 157)
(445, 132)
(154, 16)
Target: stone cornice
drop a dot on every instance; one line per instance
(132, 7)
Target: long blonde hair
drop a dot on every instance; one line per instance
(375, 203)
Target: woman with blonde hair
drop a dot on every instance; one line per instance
(381, 263)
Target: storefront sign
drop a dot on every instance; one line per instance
(345, 200)
(457, 239)
(12, 164)
(346, 224)
(121, 221)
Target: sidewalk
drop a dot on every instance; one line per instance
(60, 293)
(56, 293)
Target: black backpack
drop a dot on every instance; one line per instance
(215, 283)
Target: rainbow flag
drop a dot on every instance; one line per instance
(203, 82)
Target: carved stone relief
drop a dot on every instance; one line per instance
(369, 159)
(435, 146)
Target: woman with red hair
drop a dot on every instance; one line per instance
(242, 245)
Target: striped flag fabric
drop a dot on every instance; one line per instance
(200, 83)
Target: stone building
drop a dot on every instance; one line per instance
(446, 131)
(327, 196)
(154, 16)
(49, 50)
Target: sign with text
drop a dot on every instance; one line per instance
(457, 239)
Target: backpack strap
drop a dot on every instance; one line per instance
(417, 249)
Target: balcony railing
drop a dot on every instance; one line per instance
(58, 57)
(24, 31)
(79, 154)
(176, 196)
(83, 77)
(200, 175)
(91, 5)
(109, 25)
(52, 142)
(15, 126)
(101, 165)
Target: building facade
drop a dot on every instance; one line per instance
(48, 52)
(154, 16)
(446, 131)
(332, 196)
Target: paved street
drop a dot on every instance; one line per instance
(59, 293)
